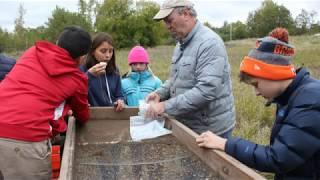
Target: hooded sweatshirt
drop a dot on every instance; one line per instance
(36, 92)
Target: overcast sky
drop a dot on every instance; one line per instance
(213, 11)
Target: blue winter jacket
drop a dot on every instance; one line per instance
(294, 150)
(98, 93)
(136, 86)
(6, 64)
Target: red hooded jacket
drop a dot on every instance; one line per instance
(34, 95)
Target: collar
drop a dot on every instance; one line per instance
(283, 98)
(139, 76)
(184, 42)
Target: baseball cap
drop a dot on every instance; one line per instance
(168, 6)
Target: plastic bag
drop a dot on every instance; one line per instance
(146, 128)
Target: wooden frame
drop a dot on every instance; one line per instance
(68, 151)
(228, 167)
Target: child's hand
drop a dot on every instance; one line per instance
(154, 97)
(98, 69)
(119, 105)
(210, 140)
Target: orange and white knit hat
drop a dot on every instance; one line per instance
(271, 58)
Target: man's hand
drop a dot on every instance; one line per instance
(153, 97)
(155, 109)
(98, 69)
(210, 140)
(119, 105)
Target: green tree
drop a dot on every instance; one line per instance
(5, 40)
(19, 21)
(131, 23)
(87, 9)
(62, 18)
(267, 17)
(148, 32)
(239, 30)
(306, 22)
(303, 22)
(19, 39)
(34, 34)
(232, 31)
(224, 31)
(115, 17)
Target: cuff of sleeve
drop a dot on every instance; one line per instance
(162, 96)
(230, 147)
(169, 107)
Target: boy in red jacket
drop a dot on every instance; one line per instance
(33, 99)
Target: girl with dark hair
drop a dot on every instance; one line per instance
(104, 77)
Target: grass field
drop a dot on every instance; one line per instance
(254, 120)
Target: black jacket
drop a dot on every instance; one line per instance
(6, 64)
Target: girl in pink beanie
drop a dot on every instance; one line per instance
(140, 80)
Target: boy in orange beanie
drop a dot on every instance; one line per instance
(294, 150)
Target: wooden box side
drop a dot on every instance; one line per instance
(66, 171)
(225, 165)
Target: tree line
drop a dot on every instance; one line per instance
(130, 23)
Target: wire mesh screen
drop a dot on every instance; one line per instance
(160, 158)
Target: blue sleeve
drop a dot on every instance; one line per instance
(247, 152)
(83, 69)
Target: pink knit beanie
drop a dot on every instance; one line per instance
(138, 55)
